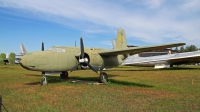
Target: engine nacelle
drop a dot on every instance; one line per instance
(102, 61)
(93, 58)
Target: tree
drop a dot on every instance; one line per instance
(191, 48)
(188, 48)
(182, 49)
(176, 49)
(2, 57)
(11, 57)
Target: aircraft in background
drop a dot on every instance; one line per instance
(164, 61)
(63, 60)
(23, 49)
(12, 57)
(23, 52)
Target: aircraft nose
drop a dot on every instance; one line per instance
(23, 61)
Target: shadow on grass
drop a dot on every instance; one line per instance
(35, 75)
(129, 83)
(85, 80)
(152, 69)
(33, 83)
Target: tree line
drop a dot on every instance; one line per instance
(188, 48)
(9, 59)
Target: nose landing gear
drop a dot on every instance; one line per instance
(43, 81)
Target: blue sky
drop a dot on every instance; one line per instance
(62, 22)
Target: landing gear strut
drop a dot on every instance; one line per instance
(43, 81)
(64, 75)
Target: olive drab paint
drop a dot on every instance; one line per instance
(64, 58)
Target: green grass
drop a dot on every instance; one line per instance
(128, 89)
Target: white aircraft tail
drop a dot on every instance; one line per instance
(23, 49)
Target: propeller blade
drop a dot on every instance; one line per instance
(82, 48)
(91, 67)
(74, 68)
(42, 46)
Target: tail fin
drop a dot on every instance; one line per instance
(23, 49)
(121, 39)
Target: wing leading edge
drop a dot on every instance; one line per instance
(136, 50)
(179, 58)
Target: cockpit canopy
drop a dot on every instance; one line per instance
(57, 49)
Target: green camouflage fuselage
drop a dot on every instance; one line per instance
(64, 58)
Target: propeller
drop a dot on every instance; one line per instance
(42, 46)
(83, 59)
(42, 50)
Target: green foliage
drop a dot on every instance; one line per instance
(11, 58)
(1, 59)
(3, 55)
(176, 49)
(182, 49)
(188, 48)
(191, 48)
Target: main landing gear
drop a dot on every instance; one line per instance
(103, 77)
(64, 75)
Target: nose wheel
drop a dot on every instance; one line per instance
(43, 81)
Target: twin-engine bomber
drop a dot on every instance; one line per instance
(63, 60)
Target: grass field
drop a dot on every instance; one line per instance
(128, 89)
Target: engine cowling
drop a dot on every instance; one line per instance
(93, 58)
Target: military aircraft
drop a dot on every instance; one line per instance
(23, 49)
(63, 60)
(163, 61)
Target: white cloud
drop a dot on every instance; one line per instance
(191, 5)
(152, 21)
(153, 3)
(106, 43)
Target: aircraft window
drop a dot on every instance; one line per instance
(58, 50)
(63, 50)
(53, 50)
(49, 49)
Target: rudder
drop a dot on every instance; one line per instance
(121, 39)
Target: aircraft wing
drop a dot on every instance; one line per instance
(184, 58)
(179, 58)
(136, 50)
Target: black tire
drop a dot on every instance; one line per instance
(103, 77)
(64, 75)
